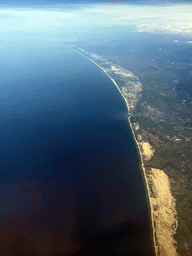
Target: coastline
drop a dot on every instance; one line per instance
(147, 189)
(142, 164)
(156, 183)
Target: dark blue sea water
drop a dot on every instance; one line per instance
(70, 181)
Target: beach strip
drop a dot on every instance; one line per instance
(142, 164)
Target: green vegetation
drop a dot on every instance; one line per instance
(156, 78)
(161, 154)
(146, 122)
(160, 101)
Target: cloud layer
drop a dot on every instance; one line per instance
(69, 21)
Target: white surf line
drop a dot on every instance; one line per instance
(147, 186)
(142, 164)
(107, 75)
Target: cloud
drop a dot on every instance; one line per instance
(70, 21)
(172, 18)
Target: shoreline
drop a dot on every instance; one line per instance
(146, 186)
(106, 74)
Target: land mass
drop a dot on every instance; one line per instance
(160, 118)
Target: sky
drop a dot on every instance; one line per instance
(90, 1)
(57, 20)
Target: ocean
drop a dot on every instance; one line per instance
(71, 179)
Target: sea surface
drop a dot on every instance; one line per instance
(70, 178)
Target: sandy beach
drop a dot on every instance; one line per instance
(162, 203)
(160, 200)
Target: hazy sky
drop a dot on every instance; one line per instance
(89, 1)
(57, 20)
